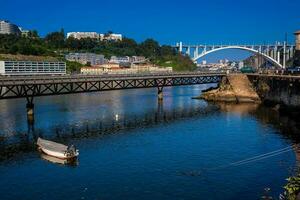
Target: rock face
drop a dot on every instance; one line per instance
(282, 90)
(233, 88)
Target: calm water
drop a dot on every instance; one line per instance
(131, 147)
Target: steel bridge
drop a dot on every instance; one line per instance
(278, 54)
(30, 87)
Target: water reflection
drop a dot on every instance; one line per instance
(25, 142)
(287, 126)
(70, 162)
(21, 142)
(241, 109)
(130, 144)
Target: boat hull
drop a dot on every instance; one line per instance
(56, 154)
(55, 149)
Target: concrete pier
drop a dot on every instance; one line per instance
(30, 109)
(160, 94)
(30, 116)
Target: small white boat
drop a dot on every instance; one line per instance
(57, 150)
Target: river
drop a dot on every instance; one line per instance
(132, 147)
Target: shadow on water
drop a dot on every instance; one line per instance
(287, 126)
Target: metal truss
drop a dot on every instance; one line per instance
(32, 88)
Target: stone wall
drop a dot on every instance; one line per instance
(277, 90)
(297, 58)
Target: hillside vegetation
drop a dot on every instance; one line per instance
(54, 46)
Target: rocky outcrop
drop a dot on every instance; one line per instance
(233, 88)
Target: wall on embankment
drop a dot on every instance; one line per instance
(297, 58)
(283, 90)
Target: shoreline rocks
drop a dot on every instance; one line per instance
(232, 88)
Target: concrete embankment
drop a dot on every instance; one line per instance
(280, 91)
(233, 88)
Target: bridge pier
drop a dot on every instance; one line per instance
(30, 116)
(30, 110)
(160, 94)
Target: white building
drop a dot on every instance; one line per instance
(8, 28)
(81, 35)
(115, 59)
(112, 37)
(31, 68)
(137, 59)
(94, 35)
(241, 64)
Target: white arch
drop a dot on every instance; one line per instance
(241, 48)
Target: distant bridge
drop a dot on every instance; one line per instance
(277, 54)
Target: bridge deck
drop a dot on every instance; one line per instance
(20, 87)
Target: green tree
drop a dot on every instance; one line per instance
(73, 67)
(149, 48)
(33, 34)
(167, 51)
(56, 39)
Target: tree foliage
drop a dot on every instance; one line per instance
(55, 44)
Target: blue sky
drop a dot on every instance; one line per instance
(190, 21)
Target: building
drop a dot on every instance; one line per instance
(115, 59)
(297, 52)
(111, 37)
(96, 70)
(82, 35)
(86, 58)
(241, 64)
(297, 42)
(94, 35)
(137, 59)
(8, 28)
(115, 68)
(24, 33)
(31, 68)
(127, 60)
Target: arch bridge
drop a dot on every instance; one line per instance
(278, 54)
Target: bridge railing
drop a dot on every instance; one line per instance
(4, 80)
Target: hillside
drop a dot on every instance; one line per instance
(55, 45)
(20, 57)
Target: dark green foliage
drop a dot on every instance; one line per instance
(55, 44)
(33, 34)
(73, 66)
(56, 39)
(149, 48)
(177, 61)
(14, 44)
